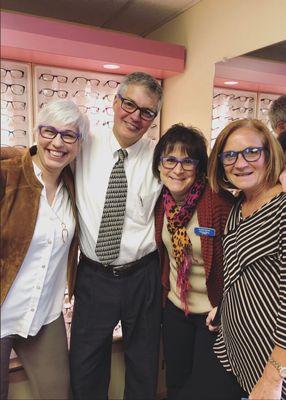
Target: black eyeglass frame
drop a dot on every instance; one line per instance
(243, 152)
(57, 132)
(152, 113)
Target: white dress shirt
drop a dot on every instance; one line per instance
(36, 295)
(93, 168)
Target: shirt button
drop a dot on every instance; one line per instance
(43, 266)
(38, 287)
(49, 241)
(32, 309)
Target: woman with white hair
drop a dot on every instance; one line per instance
(39, 250)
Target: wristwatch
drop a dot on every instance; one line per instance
(280, 368)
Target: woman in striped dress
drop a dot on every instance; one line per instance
(252, 338)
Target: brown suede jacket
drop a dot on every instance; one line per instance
(213, 210)
(20, 192)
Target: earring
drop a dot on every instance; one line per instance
(225, 179)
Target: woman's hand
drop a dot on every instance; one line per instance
(269, 386)
(209, 320)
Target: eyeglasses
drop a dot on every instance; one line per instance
(92, 109)
(250, 154)
(50, 132)
(244, 98)
(14, 118)
(17, 133)
(50, 92)
(15, 88)
(15, 73)
(16, 105)
(266, 101)
(242, 110)
(188, 164)
(109, 124)
(85, 93)
(81, 80)
(50, 78)
(108, 110)
(109, 97)
(111, 83)
(130, 107)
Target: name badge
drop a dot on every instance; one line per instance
(201, 231)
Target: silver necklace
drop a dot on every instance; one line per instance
(65, 232)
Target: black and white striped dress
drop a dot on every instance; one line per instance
(254, 302)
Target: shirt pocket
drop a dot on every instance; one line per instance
(141, 207)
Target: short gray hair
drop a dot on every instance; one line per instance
(277, 111)
(64, 112)
(142, 79)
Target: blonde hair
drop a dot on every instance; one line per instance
(274, 157)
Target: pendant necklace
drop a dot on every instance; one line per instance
(65, 232)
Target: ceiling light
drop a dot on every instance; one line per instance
(111, 66)
(231, 83)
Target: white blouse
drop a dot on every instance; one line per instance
(36, 295)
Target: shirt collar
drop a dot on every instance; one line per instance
(131, 150)
(38, 173)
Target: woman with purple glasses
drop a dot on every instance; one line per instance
(39, 250)
(190, 220)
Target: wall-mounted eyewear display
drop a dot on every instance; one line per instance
(14, 73)
(14, 118)
(91, 109)
(111, 83)
(51, 77)
(17, 133)
(242, 110)
(50, 93)
(108, 124)
(266, 101)
(81, 80)
(82, 92)
(16, 105)
(108, 110)
(15, 88)
(243, 98)
(109, 97)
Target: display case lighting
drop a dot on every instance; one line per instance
(111, 66)
(230, 83)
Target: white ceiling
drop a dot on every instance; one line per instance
(138, 17)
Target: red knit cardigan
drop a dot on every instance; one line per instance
(213, 210)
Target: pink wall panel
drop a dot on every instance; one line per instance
(43, 41)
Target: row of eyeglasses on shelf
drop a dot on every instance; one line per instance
(80, 80)
(222, 98)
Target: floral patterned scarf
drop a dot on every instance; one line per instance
(178, 218)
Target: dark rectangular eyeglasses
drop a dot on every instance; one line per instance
(130, 107)
(250, 154)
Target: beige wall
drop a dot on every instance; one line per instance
(210, 31)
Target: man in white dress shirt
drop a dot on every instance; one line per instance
(128, 288)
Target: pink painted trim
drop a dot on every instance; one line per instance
(38, 40)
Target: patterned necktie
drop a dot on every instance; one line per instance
(110, 230)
